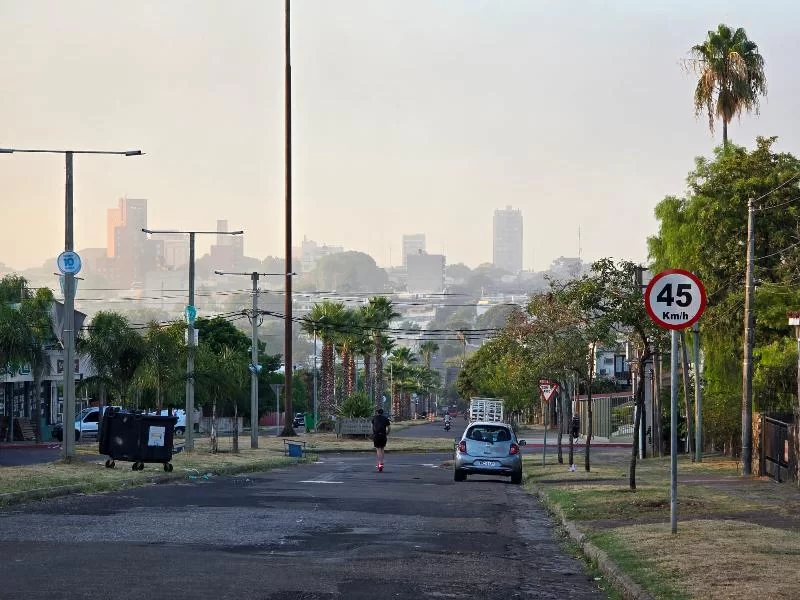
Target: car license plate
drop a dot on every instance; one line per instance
(486, 463)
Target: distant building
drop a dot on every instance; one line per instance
(228, 253)
(132, 252)
(311, 253)
(413, 244)
(507, 240)
(425, 273)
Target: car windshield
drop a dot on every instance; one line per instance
(83, 413)
(489, 433)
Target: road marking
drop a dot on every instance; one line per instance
(319, 481)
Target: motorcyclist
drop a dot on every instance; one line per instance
(447, 421)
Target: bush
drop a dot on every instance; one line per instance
(356, 406)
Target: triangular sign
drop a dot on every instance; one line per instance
(547, 390)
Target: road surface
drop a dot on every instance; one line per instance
(335, 529)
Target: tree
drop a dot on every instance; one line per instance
(162, 366)
(116, 351)
(325, 319)
(426, 351)
(400, 362)
(222, 372)
(704, 232)
(731, 76)
(378, 314)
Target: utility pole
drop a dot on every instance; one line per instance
(190, 313)
(288, 430)
(698, 397)
(747, 367)
(69, 264)
(254, 368)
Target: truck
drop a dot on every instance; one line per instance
(486, 409)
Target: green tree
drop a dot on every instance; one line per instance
(705, 232)
(222, 374)
(162, 367)
(326, 320)
(378, 314)
(731, 74)
(116, 351)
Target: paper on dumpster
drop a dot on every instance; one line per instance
(156, 436)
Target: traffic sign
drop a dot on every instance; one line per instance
(675, 299)
(190, 313)
(69, 262)
(547, 389)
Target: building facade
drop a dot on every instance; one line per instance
(413, 244)
(507, 240)
(425, 273)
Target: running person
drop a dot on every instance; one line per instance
(380, 429)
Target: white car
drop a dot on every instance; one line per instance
(86, 423)
(180, 425)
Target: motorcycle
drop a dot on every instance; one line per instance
(447, 426)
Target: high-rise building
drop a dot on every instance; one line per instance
(507, 244)
(413, 244)
(132, 252)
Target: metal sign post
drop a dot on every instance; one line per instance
(546, 388)
(675, 299)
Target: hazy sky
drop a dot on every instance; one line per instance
(409, 116)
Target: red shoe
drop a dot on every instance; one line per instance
(380, 467)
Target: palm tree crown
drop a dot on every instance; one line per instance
(731, 76)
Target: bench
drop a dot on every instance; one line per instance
(294, 448)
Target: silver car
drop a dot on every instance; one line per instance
(488, 449)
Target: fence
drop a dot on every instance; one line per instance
(777, 456)
(612, 415)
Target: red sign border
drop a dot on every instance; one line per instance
(553, 389)
(664, 324)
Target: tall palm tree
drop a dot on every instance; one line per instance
(116, 352)
(325, 319)
(731, 76)
(401, 363)
(349, 337)
(36, 312)
(426, 351)
(378, 313)
(161, 365)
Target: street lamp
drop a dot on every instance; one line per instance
(190, 313)
(255, 368)
(69, 263)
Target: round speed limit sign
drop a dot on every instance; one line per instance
(675, 299)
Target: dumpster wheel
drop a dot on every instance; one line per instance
(168, 467)
(137, 466)
(110, 464)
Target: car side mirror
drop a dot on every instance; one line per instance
(522, 443)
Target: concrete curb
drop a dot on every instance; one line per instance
(620, 580)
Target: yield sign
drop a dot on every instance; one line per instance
(547, 389)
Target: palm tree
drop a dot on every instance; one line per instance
(401, 365)
(161, 365)
(426, 351)
(325, 318)
(35, 310)
(731, 76)
(378, 313)
(349, 337)
(116, 352)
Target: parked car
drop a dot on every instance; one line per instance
(299, 420)
(180, 425)
(86, 423)
(488, 449)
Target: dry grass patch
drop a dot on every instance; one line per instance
(719, 559)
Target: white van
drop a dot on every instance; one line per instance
(180, 425)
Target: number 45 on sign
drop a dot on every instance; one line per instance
(675, 299)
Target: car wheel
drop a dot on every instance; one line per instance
(459, 475)
(516, 478)
(180, 431)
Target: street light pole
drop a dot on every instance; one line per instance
(254, 366)
(190, 314)
(68, 333)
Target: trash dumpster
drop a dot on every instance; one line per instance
(309, 419)
(137, 438)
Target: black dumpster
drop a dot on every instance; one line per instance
(137, 438)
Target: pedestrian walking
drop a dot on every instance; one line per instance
(380, 430)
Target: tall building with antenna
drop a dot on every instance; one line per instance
(507, 240)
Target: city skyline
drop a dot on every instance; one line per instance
(388, 134)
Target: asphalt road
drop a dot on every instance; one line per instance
(335, 529)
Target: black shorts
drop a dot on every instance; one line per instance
(379, 440)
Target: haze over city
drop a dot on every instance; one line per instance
(412, 117)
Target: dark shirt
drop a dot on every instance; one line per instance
(380, 424)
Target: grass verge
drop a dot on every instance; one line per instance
(734, 533)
